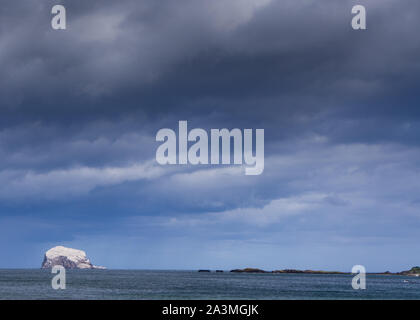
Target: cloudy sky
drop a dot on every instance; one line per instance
(80, 109)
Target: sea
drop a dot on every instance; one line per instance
(151, 284)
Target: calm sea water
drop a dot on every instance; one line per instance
(142, 284)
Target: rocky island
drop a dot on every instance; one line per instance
(249, 270)
(255, 270)
(68, 258)
(415, 271)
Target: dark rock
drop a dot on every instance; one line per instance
(248, 270)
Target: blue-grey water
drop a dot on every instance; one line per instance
(142, 284)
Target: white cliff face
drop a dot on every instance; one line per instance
(68, 258)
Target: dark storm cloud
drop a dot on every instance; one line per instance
(80, 109)
(157, 55)
(94, 96)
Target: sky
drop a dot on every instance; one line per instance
(80, 109)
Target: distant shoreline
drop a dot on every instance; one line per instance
(415, 271)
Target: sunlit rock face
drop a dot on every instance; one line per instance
(68, 258)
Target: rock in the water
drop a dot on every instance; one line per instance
(248, 270)
(68, 258)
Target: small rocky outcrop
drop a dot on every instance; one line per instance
(68, 258)
(248, 270)
(308, 271)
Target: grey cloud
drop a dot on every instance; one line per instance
(94, 95)
(157, 54)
